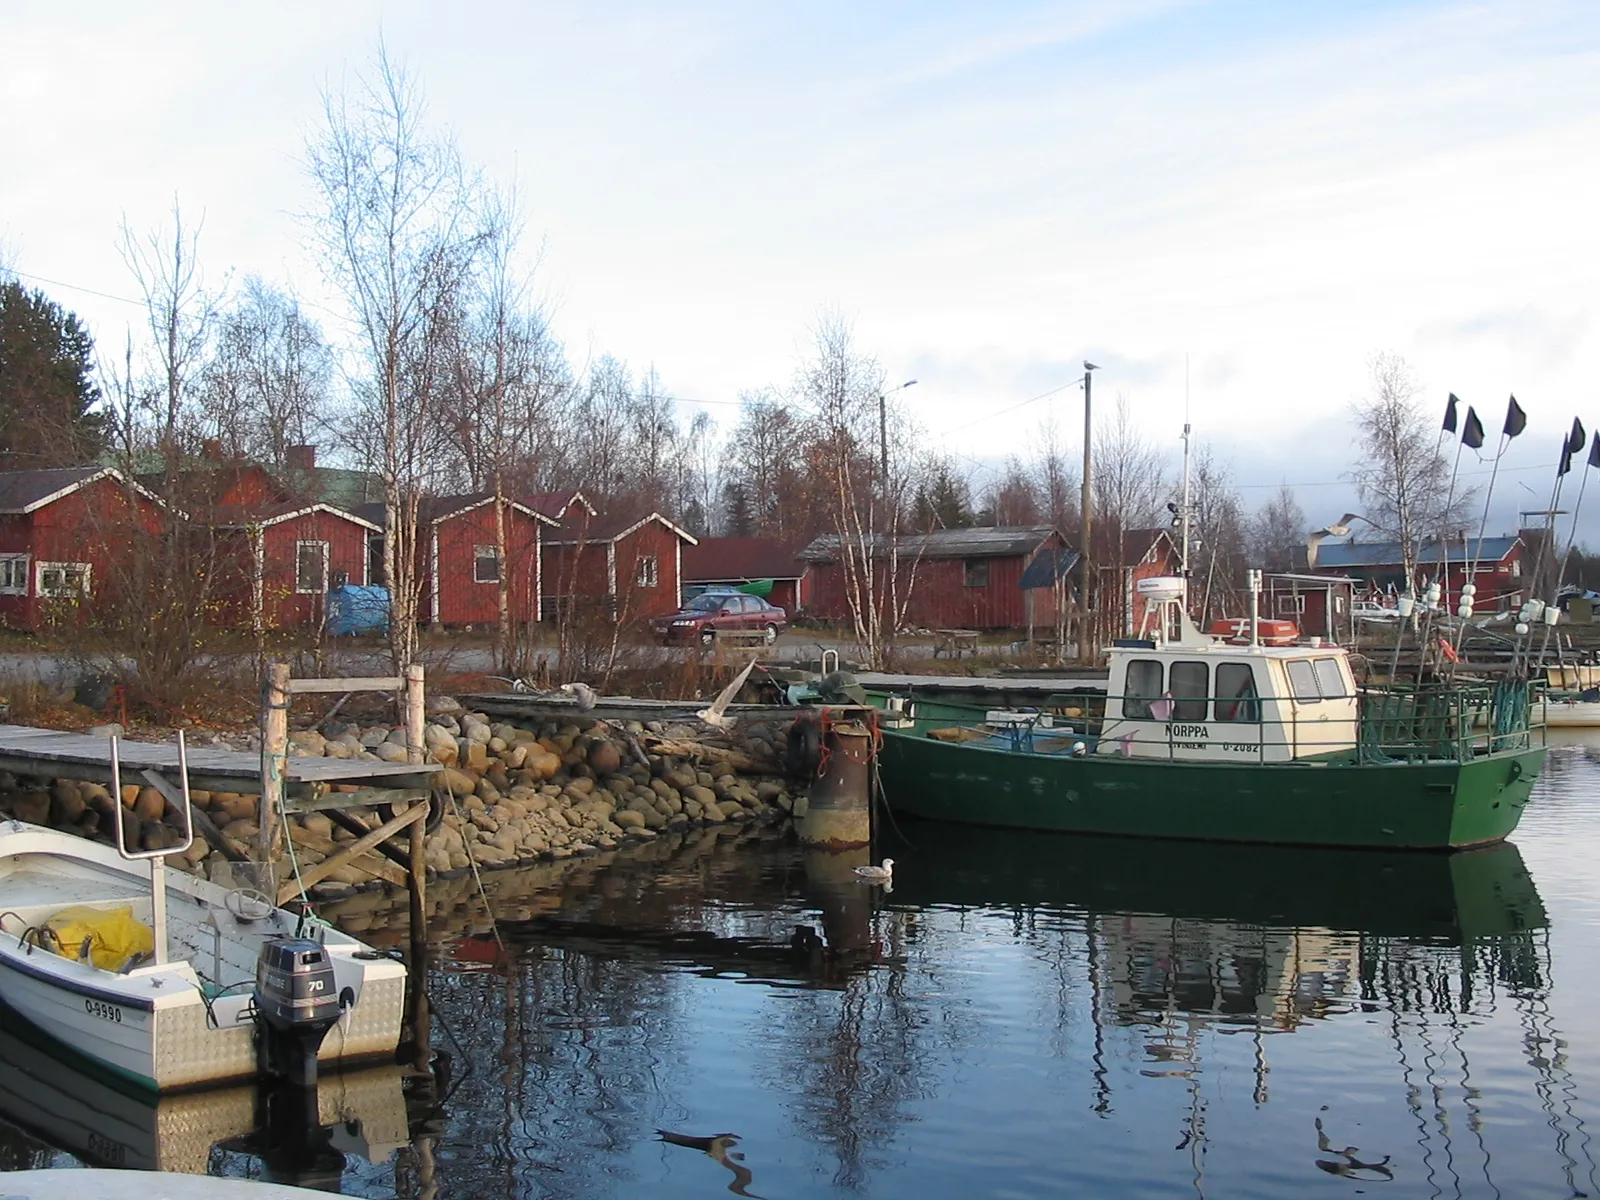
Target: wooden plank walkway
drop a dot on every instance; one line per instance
(30, 751)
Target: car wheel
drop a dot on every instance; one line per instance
(772, 633)
(708, 637)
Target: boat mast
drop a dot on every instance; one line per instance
(1185, 513)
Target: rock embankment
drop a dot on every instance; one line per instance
(511, 793)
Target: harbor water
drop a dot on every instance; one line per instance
(1022, 1015)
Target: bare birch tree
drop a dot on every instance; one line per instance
(397, 234)
(268, 383)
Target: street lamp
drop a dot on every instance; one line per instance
(883, 431)
(1086, 519)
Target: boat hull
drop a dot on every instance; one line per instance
(1417, 805)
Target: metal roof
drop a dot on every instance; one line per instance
(1343, 555)
(24, 491)
(984, 541)
(728, 558)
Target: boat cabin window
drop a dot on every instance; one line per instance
(1190, 684)
(1330, 680)
(1142, 686)
(1237, 698)
(1303, 681)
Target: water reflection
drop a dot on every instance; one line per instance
(53, 1104)
(1024, 1013)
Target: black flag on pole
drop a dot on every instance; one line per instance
(1594, 450)
(1516, 419)
(1450, 414)
(1571, 446)
(1472, 430)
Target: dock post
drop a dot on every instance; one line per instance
(416, 875)
(838, 813)
(274, 759)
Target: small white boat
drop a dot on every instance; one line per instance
(189, 1014)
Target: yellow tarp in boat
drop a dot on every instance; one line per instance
(114, 935)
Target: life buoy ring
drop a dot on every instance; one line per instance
(1449, 651)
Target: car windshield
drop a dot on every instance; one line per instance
(705, 604)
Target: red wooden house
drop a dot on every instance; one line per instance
(67, 539)
(947, 579)
(737, 561)
(631, 566)
(293, 553)
(463, 569)
(1495, 565)
(1120, 563)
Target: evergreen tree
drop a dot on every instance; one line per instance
(48, 397)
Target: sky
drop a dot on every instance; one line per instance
(1229, 205)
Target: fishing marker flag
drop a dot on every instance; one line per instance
(1450, 414)
(1472, 430)
(1571, 446)
(1517, 420)
(1594, 450)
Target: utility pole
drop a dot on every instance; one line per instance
(1086, 651)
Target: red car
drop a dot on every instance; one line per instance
(711, 612)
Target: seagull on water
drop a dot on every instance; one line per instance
(880, 874)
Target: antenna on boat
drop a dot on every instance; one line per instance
(1185, 514)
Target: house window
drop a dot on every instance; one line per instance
(310, 567)
(977, 572)
(1515, 568)
(646, 573)
(1291, 604)
(485, 564)
(13, 574)
(62, 580)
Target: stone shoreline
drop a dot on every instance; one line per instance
(516, 792)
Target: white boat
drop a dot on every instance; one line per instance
(189, 1015)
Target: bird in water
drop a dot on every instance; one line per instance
(720, 1147)
(879, 874)
(1351, 1163)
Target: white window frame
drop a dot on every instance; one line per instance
(311, 591)
(84, 570)
(14, 574)
(479, 553)
(647, 571)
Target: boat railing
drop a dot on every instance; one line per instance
(1391, 723)
(157, 858)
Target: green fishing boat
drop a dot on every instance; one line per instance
(1223, 738)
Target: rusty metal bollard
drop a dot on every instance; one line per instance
(839, 811)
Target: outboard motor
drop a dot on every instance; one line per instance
(297, 1002)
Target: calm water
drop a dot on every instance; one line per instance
(1025, 1015)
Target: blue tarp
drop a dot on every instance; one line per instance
(353, 610)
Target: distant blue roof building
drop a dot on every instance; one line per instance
(1345, 556)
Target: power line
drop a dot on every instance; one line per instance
(74, 287)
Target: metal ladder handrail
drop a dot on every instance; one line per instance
(156, 858)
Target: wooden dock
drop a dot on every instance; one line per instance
(25, 750)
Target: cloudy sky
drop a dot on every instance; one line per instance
(1269, 191)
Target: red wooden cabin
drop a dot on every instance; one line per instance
(947, 579)
(463, 567)
(67, 537)
(736, 561)
(294, 553)
(631, 566)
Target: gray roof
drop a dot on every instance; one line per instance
(985, 541)
(24, 491)
(1344, 555)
